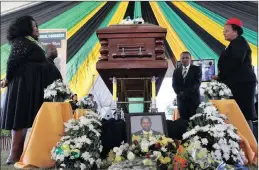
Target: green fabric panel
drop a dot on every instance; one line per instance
(137, 9)
(82, 54)
(71, 17)
(195, 45)
(136, 108)
(250, 35)
(65, 20)
(5, 51)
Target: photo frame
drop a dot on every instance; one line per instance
(137, 124)
(208, 67)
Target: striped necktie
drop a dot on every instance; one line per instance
(185, 72)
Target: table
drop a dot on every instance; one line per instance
(236, 118)
(47, 129)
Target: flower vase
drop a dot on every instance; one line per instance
(58, 99)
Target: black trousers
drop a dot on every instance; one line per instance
(244, 95)
(187, 108)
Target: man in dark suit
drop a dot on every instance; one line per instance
(146, 124)
(54, 73)
(186, 84)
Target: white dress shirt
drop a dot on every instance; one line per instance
(186, 68)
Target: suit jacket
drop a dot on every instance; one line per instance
(191, 85)
(235, 63)
(140, 133)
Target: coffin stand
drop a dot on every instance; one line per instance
(132, 54)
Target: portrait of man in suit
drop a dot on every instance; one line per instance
(186, 84)
(146, 125)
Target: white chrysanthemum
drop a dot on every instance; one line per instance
(91, 160)
(86, 156)
(131, 156)
(82, 166)
(79, 145)
(204, 141)
(234, 151)
(101, 148)
(221, 93)
(226, 156)
(60, 157)
(210, 109)
(233, 144)
(116, 149)
(157, 154)
(196, 138)
(144, 145)
(163, 149)
(216, 146)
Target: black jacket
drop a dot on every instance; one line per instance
(235, 63)
(191, 86)
(140, 133)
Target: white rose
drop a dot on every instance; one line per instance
(116, 149)
(82, 166)
(157, 154)
(131, 156)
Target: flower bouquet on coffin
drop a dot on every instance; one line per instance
(217, 91)
(57, 92)
(152, 152)
(127, 20)
(80, 147)
(210, 142)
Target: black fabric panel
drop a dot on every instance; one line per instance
(84, 33)
(130, 10)
(41, 12)
(245, 10)
(149, 17)
(213, 43)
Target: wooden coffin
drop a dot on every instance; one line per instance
(131, 51)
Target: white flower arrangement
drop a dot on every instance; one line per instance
(80, 147)
(127, 20)
(154, 150)
(85, 103)
(217, 90)
(209, 139)
(57, 91)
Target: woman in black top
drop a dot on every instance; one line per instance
(235, 69)
(24, 82)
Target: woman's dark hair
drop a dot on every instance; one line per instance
(20, 27)
(72, 96)
(238, 29)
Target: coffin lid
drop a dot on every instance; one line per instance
(131, 28)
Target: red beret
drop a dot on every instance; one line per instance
(234, 21)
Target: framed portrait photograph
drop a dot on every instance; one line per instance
(140, 124)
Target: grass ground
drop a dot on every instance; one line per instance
(4, 156)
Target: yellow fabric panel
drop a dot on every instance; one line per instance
(210, 26)
(73, 30)
(172, 38)
(86, 74)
